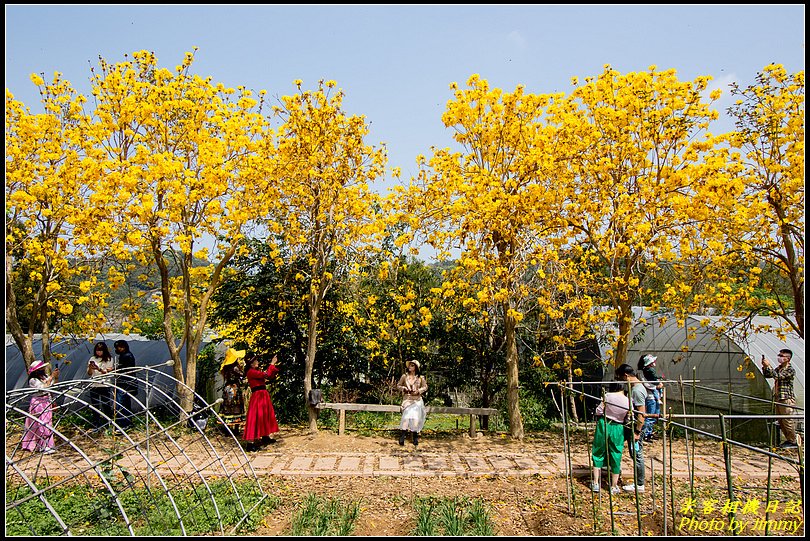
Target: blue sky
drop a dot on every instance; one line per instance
(395, 62)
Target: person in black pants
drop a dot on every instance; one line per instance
(127, 384)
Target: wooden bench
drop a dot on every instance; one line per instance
(343, 407)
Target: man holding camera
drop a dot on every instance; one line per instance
(783, 393)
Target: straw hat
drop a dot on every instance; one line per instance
(231, 356)
(36, 366)
(416, 363)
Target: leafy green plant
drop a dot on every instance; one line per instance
(452, 517)
(479, 519)
(534, 410)
(327, 419)
(426, 521)
(319, 516)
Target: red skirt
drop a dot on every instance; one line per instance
(261, 417)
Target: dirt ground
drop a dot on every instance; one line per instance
(522, 506)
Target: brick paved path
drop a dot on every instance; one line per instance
(425, 461)
(410, 462)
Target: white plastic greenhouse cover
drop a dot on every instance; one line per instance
(720, 359)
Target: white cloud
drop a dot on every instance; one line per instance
(726, 100)
(517, 39)
(723, 84)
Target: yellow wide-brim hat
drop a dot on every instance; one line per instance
(231, 356)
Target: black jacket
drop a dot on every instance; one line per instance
(128, 383)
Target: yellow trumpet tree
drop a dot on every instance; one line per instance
(51, 276)
(326, 208)
(494, 201)
(182, 178)
(635, 202)
(393, 310)
(767, 226)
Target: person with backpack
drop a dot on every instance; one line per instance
(648, 375)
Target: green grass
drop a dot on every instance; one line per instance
(325, 516)
(367, 423)
(459, 516)
(93, 511)
(448, 422)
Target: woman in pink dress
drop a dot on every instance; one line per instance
(261, 417)
(38, 434)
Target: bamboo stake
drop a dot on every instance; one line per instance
(664, 461)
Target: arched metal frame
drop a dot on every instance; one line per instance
(162, 456)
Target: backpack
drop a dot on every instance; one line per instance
(315, 397)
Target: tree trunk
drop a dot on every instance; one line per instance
(22, 340)
(512, 383)
(795, 276)
(192, 349)
(489, 353)
(625, 326)
(486, 376)
(46, 337)
(186, 402)
(193, 334)
(309, 363)
(798, 304)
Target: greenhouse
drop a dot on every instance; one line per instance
(73, 354)
(724, 364)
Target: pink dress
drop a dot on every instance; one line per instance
(261, 417)
(38, 432)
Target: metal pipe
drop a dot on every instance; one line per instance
(566, 456)
(727, 461)
(748, 397)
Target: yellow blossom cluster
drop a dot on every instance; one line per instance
(614, 194)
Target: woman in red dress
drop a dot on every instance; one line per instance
(261, 417)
